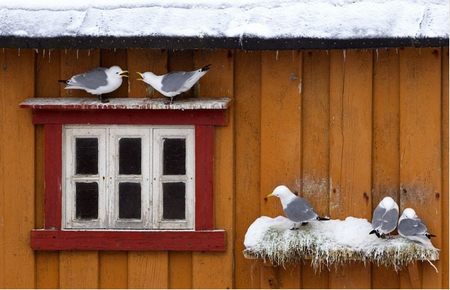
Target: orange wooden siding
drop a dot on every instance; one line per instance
(343, 128)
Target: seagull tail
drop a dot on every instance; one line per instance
(373, 232)
(430, 235)
(323, 218)
(205, 68)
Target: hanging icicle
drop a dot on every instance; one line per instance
(276, 55)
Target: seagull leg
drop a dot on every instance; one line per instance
(103, 99)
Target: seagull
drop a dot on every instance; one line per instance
(173, 83)
(410, 226)
(385, 217)
(297, 209)
(98, 81)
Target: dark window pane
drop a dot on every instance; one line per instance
(174, 157)
(174, 203)
(130, 156)
(129, 200)
(86, 201)
(86, 156)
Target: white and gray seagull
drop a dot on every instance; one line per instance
(410, 226)
(173, 83)
(98, 81)
(385, 217)
(297, 209)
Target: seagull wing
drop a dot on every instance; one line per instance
(390, 219)
(174, 81)
(377, 218)
(412, 227)
(92, 79)
(299, 210)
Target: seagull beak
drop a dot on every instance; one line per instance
(124, 73)
(141, 76)
(270, 195)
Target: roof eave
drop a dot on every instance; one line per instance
(207, 42)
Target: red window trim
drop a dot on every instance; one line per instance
(203, 238)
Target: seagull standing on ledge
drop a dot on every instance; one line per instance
(297, 209)
(410, 226)
(98, 81)
(385, 217)
(173, 83)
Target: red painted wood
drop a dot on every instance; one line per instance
(204, 156)
(53, 167)
(56, 240)
(150, 117)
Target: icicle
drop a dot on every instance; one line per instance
(432, 265)
(396, 50)
(376, 51)
(77, 53)
(3, 50)
(65, 51)
(345, 54)
(49, 55)
(89, 52)
(36, 51)
(43, 53)
(114, 50)
(327, 51)
(18, 51)
(129, 86)
(276, 55)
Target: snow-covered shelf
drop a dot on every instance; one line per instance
(125, 104)
(328, 243)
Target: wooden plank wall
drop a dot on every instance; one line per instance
(343, 128)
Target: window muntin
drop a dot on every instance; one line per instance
(130, 177)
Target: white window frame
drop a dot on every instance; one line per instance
(108, 178)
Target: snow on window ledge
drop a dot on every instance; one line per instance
(327, 243)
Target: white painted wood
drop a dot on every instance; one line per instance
(151, 178)
(70, 177)
(188, 179)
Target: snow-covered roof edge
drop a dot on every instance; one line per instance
(246, 24)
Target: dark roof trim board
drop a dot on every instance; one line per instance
(246, 43)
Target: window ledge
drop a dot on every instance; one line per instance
(193, 111)
(125, 240)
(125, 104)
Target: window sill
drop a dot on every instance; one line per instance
(125, 240)
(193, 111)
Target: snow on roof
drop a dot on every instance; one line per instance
(329, 243)
(326, 19)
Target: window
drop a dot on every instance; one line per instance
(126, 177)
(133, 174)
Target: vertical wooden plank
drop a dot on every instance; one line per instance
(47, 75)
(247, 91)
(147, 269)
(17, 161)
(180, 263)
(445, 173)
(113, 270)
(420, 144)
(350, 150)
(78, 269)
(315, 146)
(281, 83)
(218, 82)
(143, 60)
(113, 266)
(111, 57)
(386, 144)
